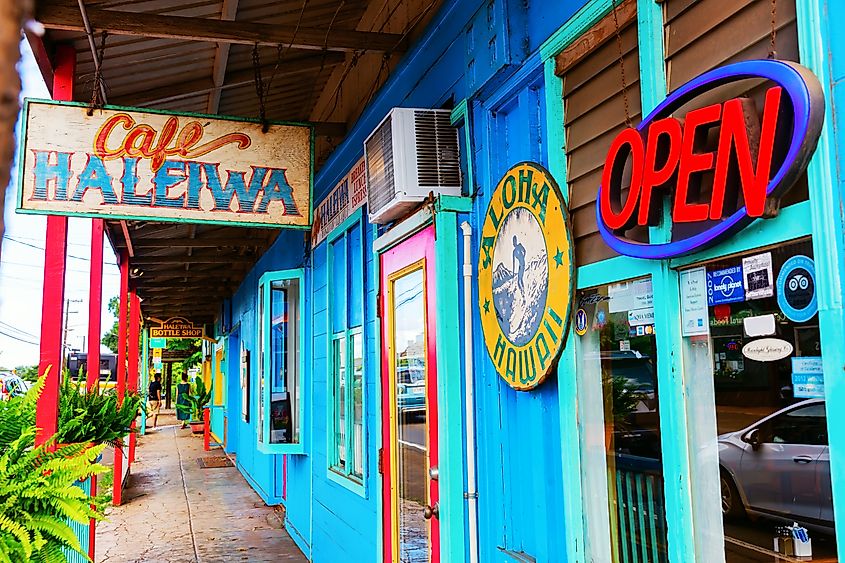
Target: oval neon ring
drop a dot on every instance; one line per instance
(807, 100)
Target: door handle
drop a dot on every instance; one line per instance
(802, 459)
(430, 511)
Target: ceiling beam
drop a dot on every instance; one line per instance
(63, 15)
(209, 242)
(184, 260)
(233, 79)
(221, 59)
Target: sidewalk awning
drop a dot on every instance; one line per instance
(203, 57)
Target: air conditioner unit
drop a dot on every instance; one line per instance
(411, 153)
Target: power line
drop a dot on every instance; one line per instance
(35, 246)
(18, 339)
(7, 326)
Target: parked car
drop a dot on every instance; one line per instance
(779, 467)
(12, 385)
(410, 395)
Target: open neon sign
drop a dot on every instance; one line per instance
(757, 158)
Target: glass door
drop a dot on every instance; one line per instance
(409, 401)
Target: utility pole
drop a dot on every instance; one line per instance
(65, 347)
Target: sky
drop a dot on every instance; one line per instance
(22, 265)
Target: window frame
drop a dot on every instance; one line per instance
(265, 361)
(345, 475)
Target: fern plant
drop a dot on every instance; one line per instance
(196, 400)
(94, 416)
(38, 495)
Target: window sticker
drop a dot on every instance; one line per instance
(757, 276)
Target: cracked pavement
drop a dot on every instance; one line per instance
(175, 512)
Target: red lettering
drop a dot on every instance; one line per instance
(735, 134)
(742, 160)
(692, 162)
(611, 180)
(668, 150)
(140, 141)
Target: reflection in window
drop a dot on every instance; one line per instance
(774, 464)
(619, 348)
(279, 356)
(411, 409)
(346, 317)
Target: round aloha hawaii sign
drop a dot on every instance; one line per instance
(525, 275)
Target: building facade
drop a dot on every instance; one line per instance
(354, 380)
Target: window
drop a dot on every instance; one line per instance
(806, 425)
(346, 381)
(280, 302)
(618, 356)
(757, 369)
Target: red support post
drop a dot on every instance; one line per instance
(206, 429)
(55, 258)
(134, 357)
(95, 302)
(122, 321)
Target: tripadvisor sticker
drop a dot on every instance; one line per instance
(525, 275)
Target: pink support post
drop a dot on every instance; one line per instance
(122, 321)
(55, 258)
(133, 357)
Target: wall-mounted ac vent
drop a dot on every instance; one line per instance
(411, 153)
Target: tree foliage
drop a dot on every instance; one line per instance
(110, 339)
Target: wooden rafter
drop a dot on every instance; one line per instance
(221, 59)
(60, 14)
(234, 259)
(235, 79)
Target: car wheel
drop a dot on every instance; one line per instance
(731, 501)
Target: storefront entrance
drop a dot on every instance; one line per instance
(409, 402)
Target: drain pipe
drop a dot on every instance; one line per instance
(471, 494)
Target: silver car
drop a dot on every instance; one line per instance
(779, 467)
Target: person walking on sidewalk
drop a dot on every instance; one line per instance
(182, 391)
(154, 397)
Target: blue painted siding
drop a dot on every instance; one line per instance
(520, 494)
(520, 487)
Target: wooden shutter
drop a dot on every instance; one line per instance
(594, 113)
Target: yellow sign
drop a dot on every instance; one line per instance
(157, 353)
(526, 275)
(123, 163)
(177, 327)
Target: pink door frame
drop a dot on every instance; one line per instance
(418, 247)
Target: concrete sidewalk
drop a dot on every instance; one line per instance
(174, 511)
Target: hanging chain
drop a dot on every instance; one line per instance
(622, 65)
(259, 87)
(773, 54)
(97, 88)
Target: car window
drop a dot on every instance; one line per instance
(805, 425)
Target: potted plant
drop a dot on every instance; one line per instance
(92, 416)
(196, 403)
(39, 498)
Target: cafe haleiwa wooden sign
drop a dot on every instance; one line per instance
(124, 163)
(177, 327)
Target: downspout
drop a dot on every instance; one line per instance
(471, 494)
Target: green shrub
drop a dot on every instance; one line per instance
(94, 416)
(37, 492)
